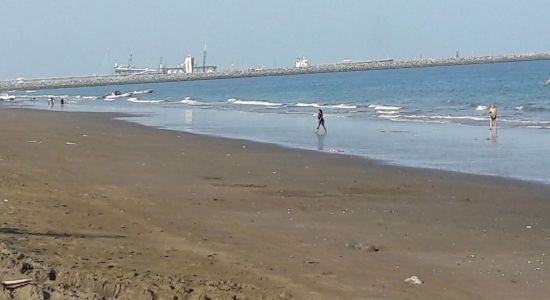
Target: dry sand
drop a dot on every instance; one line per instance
(92, 207)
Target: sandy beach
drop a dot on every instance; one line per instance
(92, 207)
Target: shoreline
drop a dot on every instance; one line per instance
(497, 179)
(474, 133)
(140, 118)
(93, 197)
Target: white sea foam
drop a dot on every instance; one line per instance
(342, 106)
(388, 112)
(253, 102)
(192, 102)
(308, 104)
(384, 107)
(90, 97)
(481, 107)
(151, 101)
(51, 96)
(520, 121)
(86, 97)
(317, 105)
(447, 117)
(389, 116)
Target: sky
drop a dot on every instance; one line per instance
(55, 38)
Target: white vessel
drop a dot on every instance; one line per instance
(142, 92)
(547, 82)
(6, 97)
(117, 94)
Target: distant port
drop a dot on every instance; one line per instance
(189, 70)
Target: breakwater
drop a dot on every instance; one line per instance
(67, 82)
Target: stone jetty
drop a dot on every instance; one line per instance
(103, 80)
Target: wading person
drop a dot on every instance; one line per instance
(492, 116)
(321, 120)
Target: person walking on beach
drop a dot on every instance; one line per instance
(321, 120)
(492, 116)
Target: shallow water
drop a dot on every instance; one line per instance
(432, 117)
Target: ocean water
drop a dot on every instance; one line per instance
(426, 117)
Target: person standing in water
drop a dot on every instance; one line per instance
(492, 116)
(321, 120)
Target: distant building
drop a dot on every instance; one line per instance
(188, 66)
(302, 62)
(205, 69)
(189, 62)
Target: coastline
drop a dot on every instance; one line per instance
(105, 80)
(442, 128)
(98, 198)
(463, 148)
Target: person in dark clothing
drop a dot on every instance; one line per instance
(321, 120)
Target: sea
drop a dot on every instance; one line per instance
(422, 117)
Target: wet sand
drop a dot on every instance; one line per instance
(92, 207)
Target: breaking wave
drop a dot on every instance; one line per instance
(384, 107)
(136, 100)
(318, 105)
(253, 102)
(190, 101)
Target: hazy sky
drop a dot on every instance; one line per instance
(43, 38)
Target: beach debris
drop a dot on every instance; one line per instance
(414, 280)
(70, 143)
(285, 295)
(355, 245)
(529, 227)
(26, 267)
(13, 284)
(52, 275)
(371, 248)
